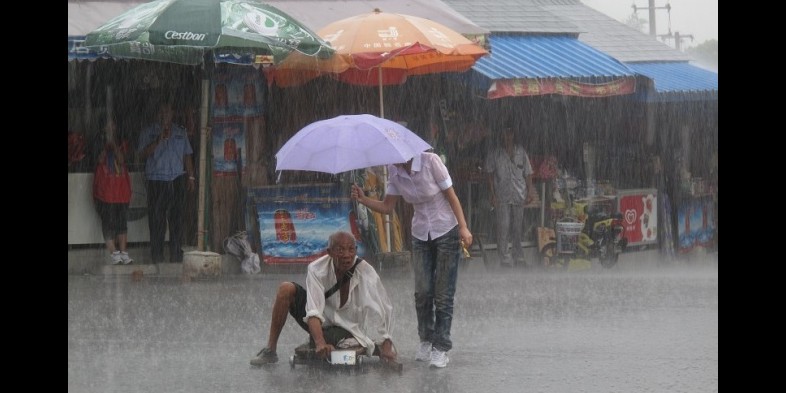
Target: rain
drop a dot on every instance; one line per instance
(649, 323)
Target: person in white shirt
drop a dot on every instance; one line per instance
(331, 309)
(510, 187)
(438, 230)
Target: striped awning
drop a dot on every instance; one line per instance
(526, 65)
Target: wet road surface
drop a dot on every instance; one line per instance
(638, 327)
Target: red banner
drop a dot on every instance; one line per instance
(536, 87)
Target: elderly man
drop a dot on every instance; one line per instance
(337, 286)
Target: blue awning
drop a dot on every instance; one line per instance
(546, 60)
(530, 56)
(679, 78)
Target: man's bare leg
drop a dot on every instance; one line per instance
(284, 297)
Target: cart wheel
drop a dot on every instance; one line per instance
(608, 254)
(549, 257)
(552, 259)
(292, 361)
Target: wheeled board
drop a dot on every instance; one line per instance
(348, 358)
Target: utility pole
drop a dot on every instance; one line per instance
(651, 8)
(678, 38)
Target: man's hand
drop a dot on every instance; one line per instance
(323, 350)
(386, 351)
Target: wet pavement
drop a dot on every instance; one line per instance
(642, 326)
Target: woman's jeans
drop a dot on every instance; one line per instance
(435, 266)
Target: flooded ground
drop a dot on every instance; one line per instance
(641, 326)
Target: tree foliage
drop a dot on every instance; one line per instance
(636, 22)
(705, 53)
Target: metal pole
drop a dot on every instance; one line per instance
(203, 175)
(543, 204)
(651, 9)
(109, 114)
(384, 167)
(88, 102)
(109, 102)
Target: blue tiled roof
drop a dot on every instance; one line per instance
(547, 56)
(678, 77)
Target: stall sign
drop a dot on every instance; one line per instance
(639, 209)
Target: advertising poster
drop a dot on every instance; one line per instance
(695, 223)
(236, 104)
(639, 209)
(296, 221)
(237, 93)
(228, 137)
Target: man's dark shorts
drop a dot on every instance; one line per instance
(333, 334)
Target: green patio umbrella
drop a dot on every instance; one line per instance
(183, 31)
(186, 31)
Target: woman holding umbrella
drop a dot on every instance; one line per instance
(439, 231)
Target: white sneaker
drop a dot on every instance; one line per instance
(424, 352)
(438, 358)
(116, 258)
(124, 258)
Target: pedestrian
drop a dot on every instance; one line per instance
(438, 231)
(510, 187)
(112, 195)
(343, 299)
(169, 172)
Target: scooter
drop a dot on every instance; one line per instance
(601, 237)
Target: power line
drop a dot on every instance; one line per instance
(676, 36)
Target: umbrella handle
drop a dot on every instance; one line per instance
(355, 203)
(352, 181)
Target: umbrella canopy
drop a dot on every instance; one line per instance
(349, 142)
(182, 31)
(399, 45)
(381, 48)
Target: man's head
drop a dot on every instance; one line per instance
(342, 248)
(165, 114)
(507, 133)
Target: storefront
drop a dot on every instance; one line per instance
(129, 92)
(682, 116)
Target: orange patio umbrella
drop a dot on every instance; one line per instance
(380, 48)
